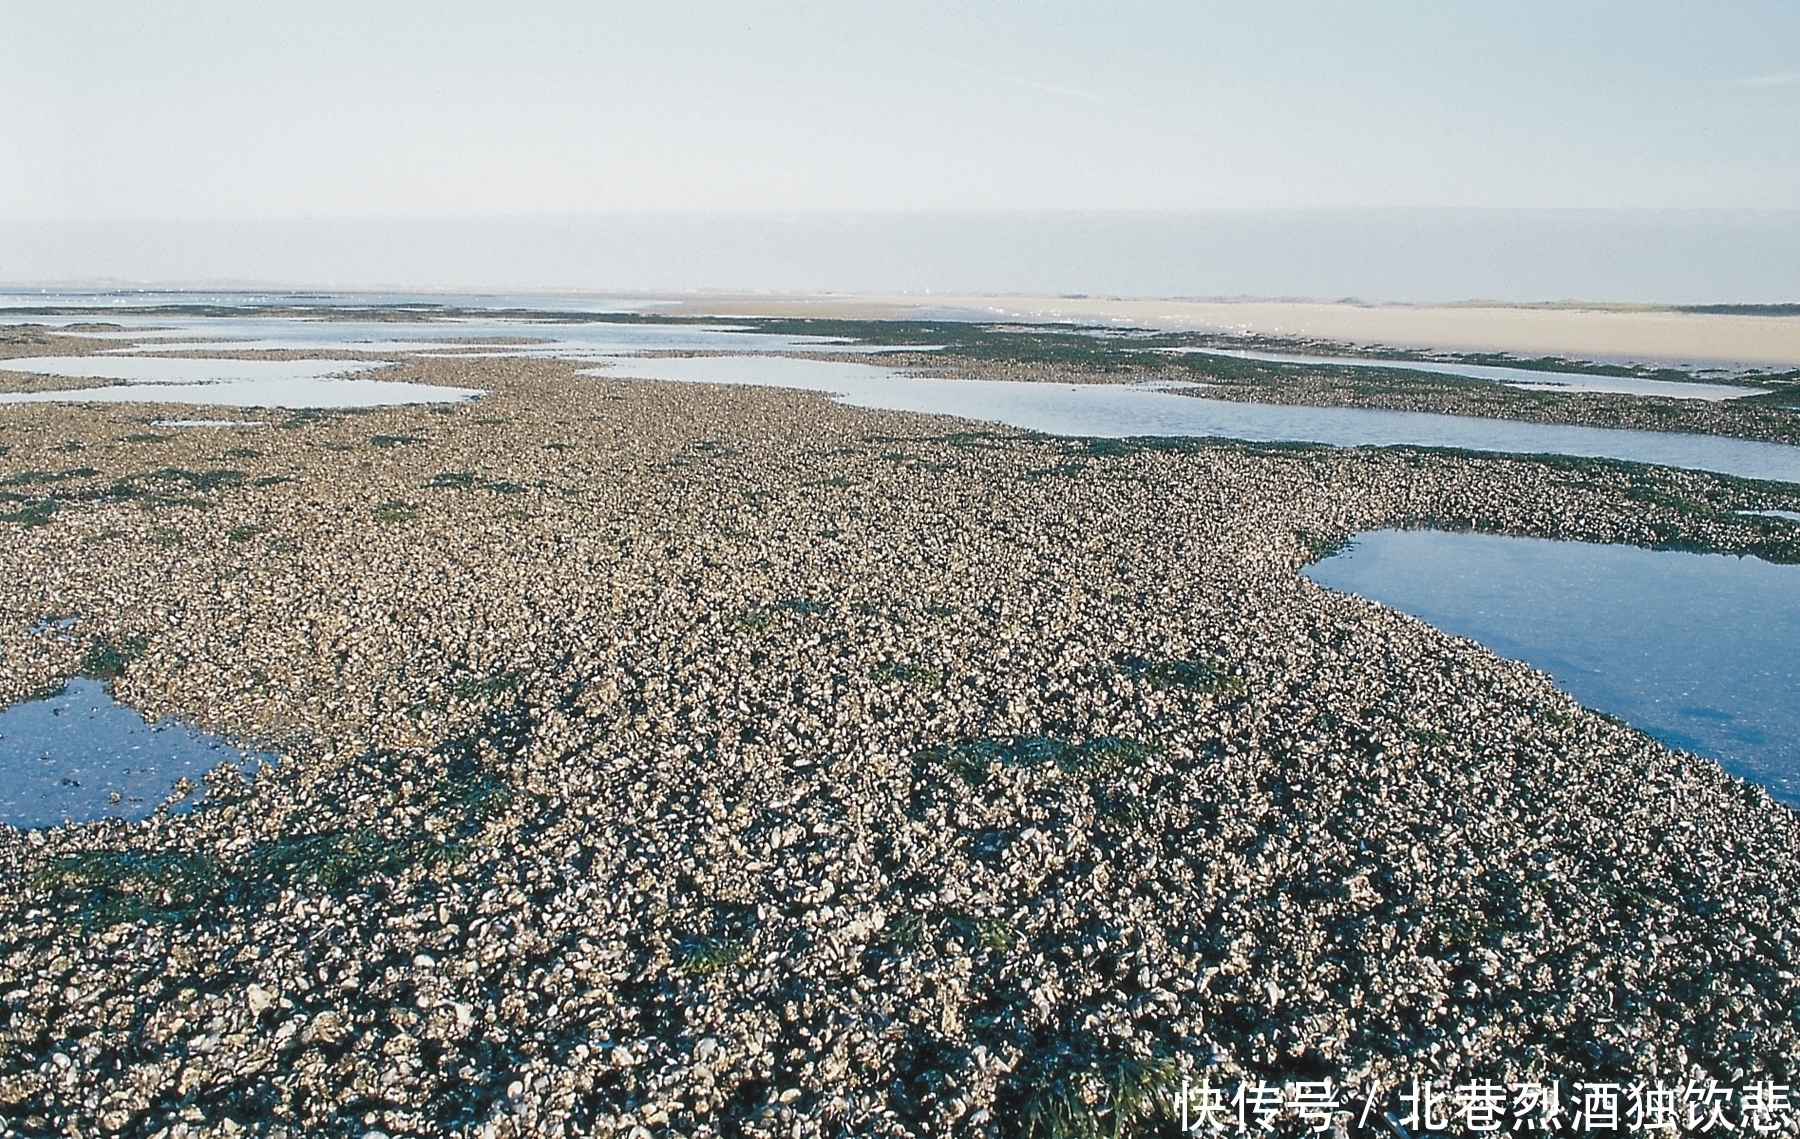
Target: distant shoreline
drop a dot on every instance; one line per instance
(1638, 334)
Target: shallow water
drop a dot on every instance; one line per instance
(147, 341)
(562, 338)
(80, 755)
(1531, 379)
(1118, 411)
(1699, 650)
(181, 370)
(225, 383)
(208, 423)
(481, 334)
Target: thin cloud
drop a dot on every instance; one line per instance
(1066, 91)
(1073, 92)
(1779, 79)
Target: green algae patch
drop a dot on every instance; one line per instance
(972, 760)
(1075, 1097)
(32, 513)
(705, 956)
(338, 858)
(106, 658)
(1196, 674)
(751, 620)
(486, 687)
(107, 887)
(389, 513)
(901, 672)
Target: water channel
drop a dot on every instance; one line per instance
(1120, 410)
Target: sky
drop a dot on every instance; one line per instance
(147, 115)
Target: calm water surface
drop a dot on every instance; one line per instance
(1700, 650)
(177, 332)
(1119, 411)
(79, 756)
(225, 383)
(144, 361)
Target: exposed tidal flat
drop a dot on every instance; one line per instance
(724, 760)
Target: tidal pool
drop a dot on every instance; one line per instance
(225, 383)
(1700, 650)
(1119, 411)
(80, 755)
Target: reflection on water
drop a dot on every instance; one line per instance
(164, 370)
(79, 756)
(1700, 650)
(526, 336)
(224, 383)
(1117, 411)
(1512, 377)
(313, 383)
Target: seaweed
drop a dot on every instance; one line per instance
(1068, 1095)
(971, 760)
(751, 620)
(897, 671)
(1193, 673)
(392, 511)
(112, 886)
(107, 658)
(33, 513)
(337, 858)
(704, 956)
(486, 687)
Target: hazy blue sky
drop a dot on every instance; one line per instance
(523, 144)
(167, 110)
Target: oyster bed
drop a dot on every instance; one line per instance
(718, 761)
